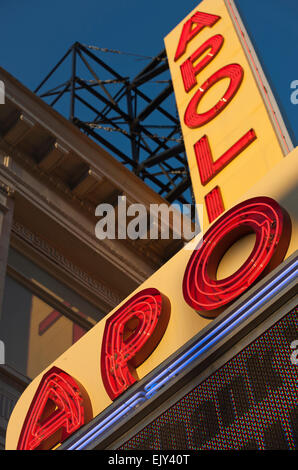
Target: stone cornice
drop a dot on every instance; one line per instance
(101, 290)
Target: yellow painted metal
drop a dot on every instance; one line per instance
(82, 360)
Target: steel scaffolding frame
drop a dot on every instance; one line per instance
(127, 110)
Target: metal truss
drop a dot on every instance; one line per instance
(135, 119)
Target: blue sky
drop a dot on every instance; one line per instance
(35, 34)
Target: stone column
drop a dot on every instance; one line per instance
(6, 217)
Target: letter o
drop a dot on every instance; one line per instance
(272, 227)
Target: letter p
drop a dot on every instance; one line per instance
(131, 335)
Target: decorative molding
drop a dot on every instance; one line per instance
(12, 385)
(7, 190)
(151, 255)
(148, 253)
(29, 163)
(20, 185)
(64, 263)
(7, 404)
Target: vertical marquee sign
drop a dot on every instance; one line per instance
(233, 131)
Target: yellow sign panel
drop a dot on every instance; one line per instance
(259, 169)
(82, 360)
(232, 129)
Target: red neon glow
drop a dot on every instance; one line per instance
(272, 227)
(214, 204)
(207, 167)
(189, 70)
(191, 117)
(131, 334)
(57, 410)
(199, 19)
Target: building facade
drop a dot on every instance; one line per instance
(198, 354)
(57, 279)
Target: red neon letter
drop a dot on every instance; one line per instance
(235, 73)
(207, 167)
(272, 227)
(189, 71)
(131, 334)
(199, 19)
(59, 407)
(214, 204)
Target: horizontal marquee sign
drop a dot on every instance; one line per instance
(235, 142)
(169, 309)
(232, 128)
(195, 357)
